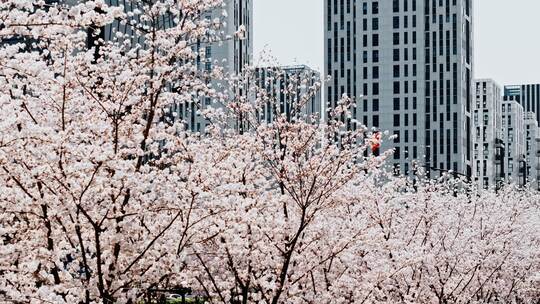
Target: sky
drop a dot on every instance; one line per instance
(507, 36)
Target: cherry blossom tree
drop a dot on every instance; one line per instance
(104, 195)
(288, 219)
(99, 194)
(437, 244)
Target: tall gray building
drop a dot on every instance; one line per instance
(487, 121)
(532, 137)
(409, 65)
(291, 91)
(528, 95)
(514, 140)
(232, 53)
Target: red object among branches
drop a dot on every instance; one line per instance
(376, 142)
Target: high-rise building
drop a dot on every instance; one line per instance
(528, 95)
(292, 91)
(231, 52)
(234, 53)
(487, 121)
(408, 64)
(532, 137)
(227, 50)
(514, 140)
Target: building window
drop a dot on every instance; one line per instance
(397, 153)
(375, 39)
(396, 38)
(375, 72)
(396, 87)
(375, 56)
(396, 120)
(375, 8)
(396, 22)
(375, 88)
(396, 104)
(395, 6)
(375, 24)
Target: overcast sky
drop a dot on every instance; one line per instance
(507, 36)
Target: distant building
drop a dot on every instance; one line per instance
(409, 65)
(532, 146)
(514, 140)
(528, 95)
(488, 146)
(232, 53)
(288, 91)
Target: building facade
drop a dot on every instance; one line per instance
(514, 140)
(232, 53)
(487, 121)
(408, 64)
(528, 95)
(227, 50)
(292, 91)
(532, 137)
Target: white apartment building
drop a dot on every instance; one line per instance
(291, 91)
(514, 140)
(408, 64)
(487, 120)
(532, 137)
